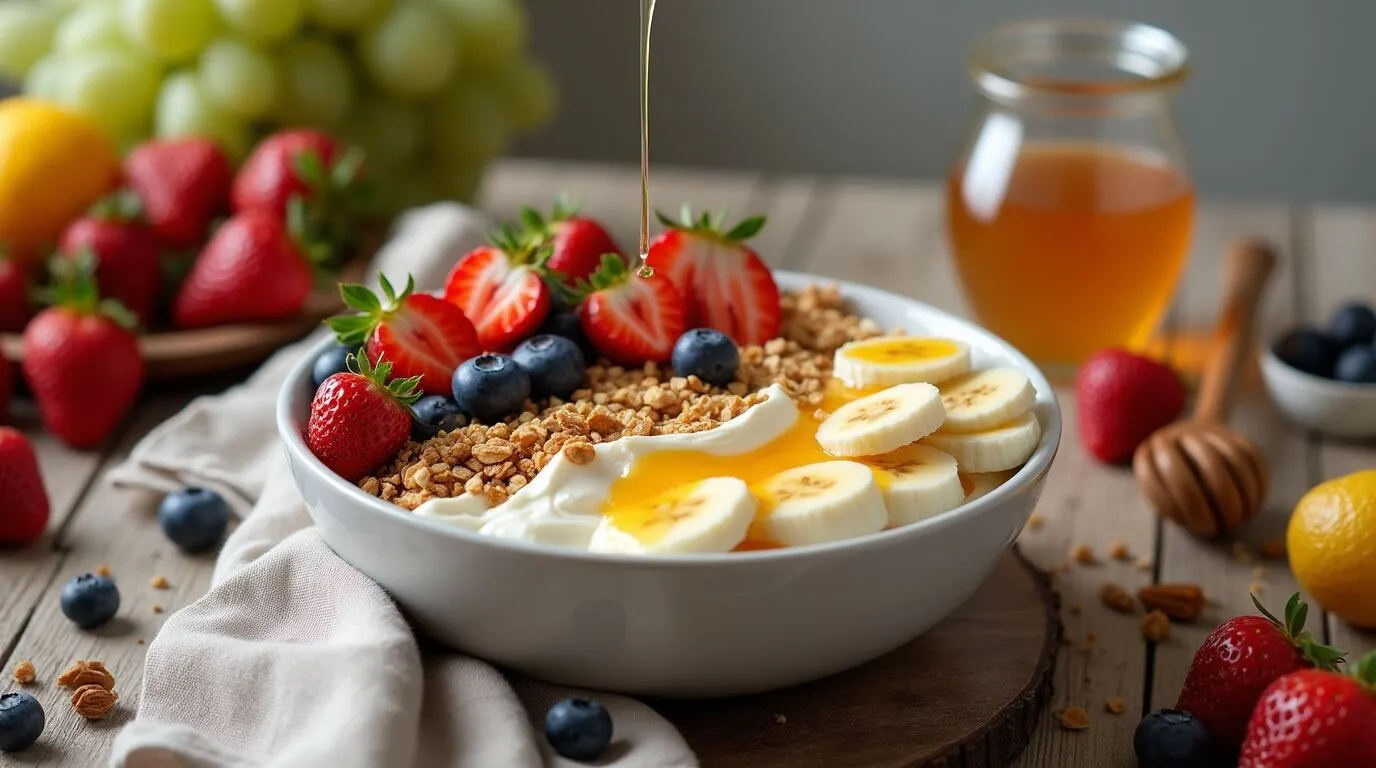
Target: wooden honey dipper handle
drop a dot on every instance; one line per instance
(1250, 264)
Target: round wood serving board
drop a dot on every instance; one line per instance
(968, 693)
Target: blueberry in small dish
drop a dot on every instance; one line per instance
(1308, 350)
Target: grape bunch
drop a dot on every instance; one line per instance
(432, 90)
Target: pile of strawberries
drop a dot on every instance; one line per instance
(184, 243)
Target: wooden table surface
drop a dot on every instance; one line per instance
(881, 232)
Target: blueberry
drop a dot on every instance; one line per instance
(1357, 365)
(555, 364)
(433, 414)
(21, 721)
(1169, 738)
(578, 729)
(330, 362)
(568, 325)
(1308, 350)
(491, 387)
(90, 600)
(193, 518)
(708, 354)
(1353, 324)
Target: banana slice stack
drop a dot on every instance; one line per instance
(989, 424)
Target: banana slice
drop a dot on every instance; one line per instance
(918, 482)
(817, 503)
(978, 484)
(705, 517)
(883, 421)
(985, 399)
(889, 360)
(993, 450)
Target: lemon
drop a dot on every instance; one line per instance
(53, 165)
(1332, 544)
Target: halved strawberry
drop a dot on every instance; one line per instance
(631, 319)
(577, 243)
(725, 283)
(500, 288)
(419, 334)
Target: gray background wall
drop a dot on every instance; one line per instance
(1281, 105)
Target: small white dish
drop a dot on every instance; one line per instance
(683, 626)
(1335, 408)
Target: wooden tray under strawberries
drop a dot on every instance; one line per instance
(224, 348)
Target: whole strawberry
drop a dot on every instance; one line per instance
(81, 360)
(305, 165)
(252, 269)
(1122, 398)
(1315, 719)
(1239, 659)
(577, 243)
(360, 418)
(14, 296)
(24, 515)
(182, 185)
(128, 256)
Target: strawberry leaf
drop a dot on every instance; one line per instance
(746, 229)
(532, 221)
(309, 168)
(403, 391)
(1296, 612)
(1262, 610)
(346, 167)
(120, 205)
(360, 298)
(1365, 673)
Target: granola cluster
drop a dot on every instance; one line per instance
(499, 459)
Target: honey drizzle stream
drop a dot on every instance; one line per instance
(647, 15)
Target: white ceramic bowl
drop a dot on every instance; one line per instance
(694, 626)
(1334, 408)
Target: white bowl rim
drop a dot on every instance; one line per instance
(1035, 467)
(1319, 384)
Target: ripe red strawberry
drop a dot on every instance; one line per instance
(24, 515)
(308, 166)
(252, 269)
(1122, 399)
(128, 256)
(726, 285)
(1315, 719)
(182, 185)
(576, 243)
(419, 335)
(499, 288)
(360, 418)
(81, 360)
(1239, 659)
(631, 319)
(14, 296)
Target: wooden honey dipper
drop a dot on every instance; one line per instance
(1198, 472)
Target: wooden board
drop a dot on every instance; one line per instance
(967, 693)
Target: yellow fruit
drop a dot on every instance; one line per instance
(53, 165)
(1332, 545)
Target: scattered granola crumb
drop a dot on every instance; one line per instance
(1156, 626)
(1074, 719)
(103, 570)
(780, 719)
(1272, 549)
(1241, 553)
(157, 608)
(159, 582)
(24, 672)
(1143, 563)
(1035, 522)
(141, 641)
(1074, 609)
(1118, 550)
(1117, 598)
(1181, 601)
(84, 672)
(1083, 554)
(92, 701)
(1116, 705)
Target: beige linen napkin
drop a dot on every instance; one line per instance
(296, 659)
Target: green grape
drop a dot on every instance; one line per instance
(317, 86)
(527, 93)
(346, 15)
(467, 124)
(491, 32)
(389, 130)
(45, 78)
(262, 20)
(91, 27)
(115, 88)
(169, 30)
(411, 52)
(184, 110)
(239, 78)
(26, 34)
